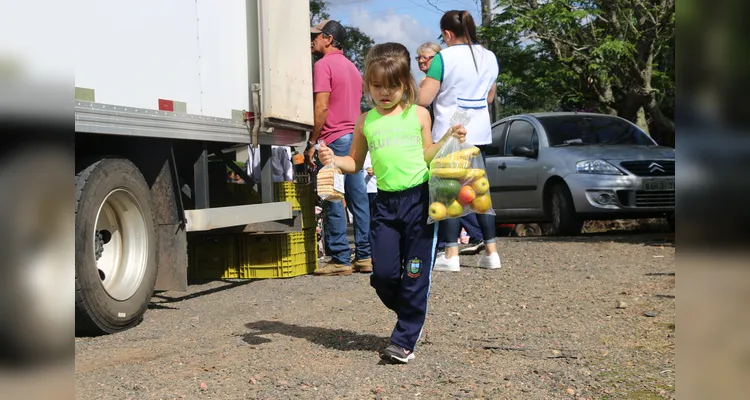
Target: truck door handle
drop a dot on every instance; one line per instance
(502, 166)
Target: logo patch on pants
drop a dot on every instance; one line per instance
(414, 269)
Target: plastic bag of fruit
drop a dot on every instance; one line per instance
(458, 180)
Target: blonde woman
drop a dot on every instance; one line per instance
(425, 53)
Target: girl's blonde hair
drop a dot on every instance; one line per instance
(434, 47)
(390, 64)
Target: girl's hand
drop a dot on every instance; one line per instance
(369, 172)
(458, 132)
(325, 154)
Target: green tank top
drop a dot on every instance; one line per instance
(395, 145)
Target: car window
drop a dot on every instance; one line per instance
(495, 149)
(591, 129)
(521, 133)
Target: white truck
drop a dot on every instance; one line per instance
(161, 87)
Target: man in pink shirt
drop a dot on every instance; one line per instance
(337, 85)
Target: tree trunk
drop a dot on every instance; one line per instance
(640, 119)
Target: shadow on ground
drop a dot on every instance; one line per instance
(338, 339)
(161, 300)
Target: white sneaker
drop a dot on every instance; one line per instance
(491, 261)
(446, 264)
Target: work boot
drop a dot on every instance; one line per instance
(363, 266)
(333, 269)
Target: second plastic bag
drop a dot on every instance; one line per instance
(330, 182)
(458, 180)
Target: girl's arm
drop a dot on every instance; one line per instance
(352, 163)
(431, 149)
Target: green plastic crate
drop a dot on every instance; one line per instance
(277, 256)
(302, 198)
(212, 257)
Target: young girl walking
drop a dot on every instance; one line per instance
(397, 134)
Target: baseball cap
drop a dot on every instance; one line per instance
(331, 28)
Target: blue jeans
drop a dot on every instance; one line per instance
(334, 224)
(470, 223)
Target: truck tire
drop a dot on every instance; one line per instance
(562, 212)
(115, 247)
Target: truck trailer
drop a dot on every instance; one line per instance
(162, 87)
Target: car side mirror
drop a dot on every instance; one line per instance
(523, 151)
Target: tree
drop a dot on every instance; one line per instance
(357, 43)
(616, 55)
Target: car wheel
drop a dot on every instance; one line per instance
(527, 230)
(562, 212)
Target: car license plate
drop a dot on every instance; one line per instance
(658, 184)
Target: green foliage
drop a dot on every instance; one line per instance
(612, 56)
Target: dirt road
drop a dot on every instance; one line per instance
(565, 318)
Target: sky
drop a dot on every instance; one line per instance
(410, 22)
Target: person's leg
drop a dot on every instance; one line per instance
(386, 274)
(449, 229)
(337, 245)
(470, 223)
(418, 243)
(356, 197)
(487, 223)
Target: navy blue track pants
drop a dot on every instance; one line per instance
(403, 252)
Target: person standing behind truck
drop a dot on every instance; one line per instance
(337, 85)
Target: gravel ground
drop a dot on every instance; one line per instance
(563, 319)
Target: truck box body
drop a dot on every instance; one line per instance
(163, 88)
(198, 57)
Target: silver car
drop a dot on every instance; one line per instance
(565, 168)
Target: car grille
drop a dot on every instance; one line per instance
(646, 199)
(650, 167)
(654, 199)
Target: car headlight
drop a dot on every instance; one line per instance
(599, 167)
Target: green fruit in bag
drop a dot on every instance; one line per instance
(447, 189)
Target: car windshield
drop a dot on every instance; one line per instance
(571, 130)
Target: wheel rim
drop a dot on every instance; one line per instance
(120, 244)
(556, 210)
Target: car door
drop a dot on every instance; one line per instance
(494, 153)
(517, 181)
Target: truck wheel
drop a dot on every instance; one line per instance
(565, 222)
(115, 248)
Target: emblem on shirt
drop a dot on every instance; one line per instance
(414, 269)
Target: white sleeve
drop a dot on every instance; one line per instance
(287, 164)
(368, 161)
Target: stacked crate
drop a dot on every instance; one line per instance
(302, 198)
(243, 256)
